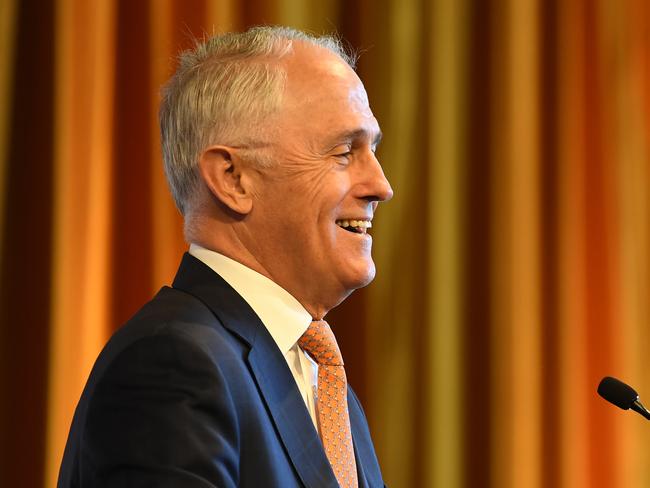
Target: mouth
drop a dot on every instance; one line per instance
(355, 226)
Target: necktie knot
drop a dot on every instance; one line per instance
(319, 342)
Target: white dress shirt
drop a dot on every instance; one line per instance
(284, 317)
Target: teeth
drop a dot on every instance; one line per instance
(363, 224)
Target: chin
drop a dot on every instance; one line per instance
(357, 278)
(361, 276)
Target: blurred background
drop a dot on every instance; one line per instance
(513, 262)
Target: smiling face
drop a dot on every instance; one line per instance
(308, 225)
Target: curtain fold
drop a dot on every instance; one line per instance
(446, 56)
(82, 203)
(7, 47)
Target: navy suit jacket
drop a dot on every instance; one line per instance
(194, 392)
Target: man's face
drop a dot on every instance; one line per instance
(326, 176)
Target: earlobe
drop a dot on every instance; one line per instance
(224, 175)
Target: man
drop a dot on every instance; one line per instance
(231, 377)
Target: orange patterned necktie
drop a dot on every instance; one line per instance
(319, 342)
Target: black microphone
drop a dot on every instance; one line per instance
(621, 395)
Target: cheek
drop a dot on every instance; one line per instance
(331, 233)
(319, 185)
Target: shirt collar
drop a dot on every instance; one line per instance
(284, 317)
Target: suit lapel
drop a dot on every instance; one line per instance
(291, 417)
(361, 474)
(272, 375)
(367, 464)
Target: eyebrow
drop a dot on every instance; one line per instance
(356, 134)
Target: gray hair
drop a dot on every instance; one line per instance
(222, 88)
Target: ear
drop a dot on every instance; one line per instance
(224, 174)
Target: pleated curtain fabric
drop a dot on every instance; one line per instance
(513, 263)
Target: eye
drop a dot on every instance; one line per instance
(343, 153)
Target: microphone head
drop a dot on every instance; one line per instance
(617, 392)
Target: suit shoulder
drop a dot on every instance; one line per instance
(172, 305)
(173, 316)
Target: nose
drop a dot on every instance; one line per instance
(375, 187)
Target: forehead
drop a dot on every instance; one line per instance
(314, 72)
(322, 90)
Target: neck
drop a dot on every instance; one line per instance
(227, 239)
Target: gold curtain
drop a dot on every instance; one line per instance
(513, 262)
